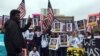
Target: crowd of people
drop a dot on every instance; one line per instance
(74, 39)
(36, 42)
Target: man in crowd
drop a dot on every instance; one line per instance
(13, 38)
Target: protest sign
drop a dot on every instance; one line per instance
(81, 25)
(75, 51)
(92, 21)
(63, 40)
(53, 43)
(92, 48)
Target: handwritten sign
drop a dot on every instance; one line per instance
(92, 47)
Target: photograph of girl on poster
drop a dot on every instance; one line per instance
(53, 43)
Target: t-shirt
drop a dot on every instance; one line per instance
(44, 41)
(69, 39)
(80, 37)
(74, 42)
(32, 53)
(29, 35)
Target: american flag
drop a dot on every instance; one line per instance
(49, 17)
(21, 8)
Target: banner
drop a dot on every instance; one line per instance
(92, 47)
(75, 51)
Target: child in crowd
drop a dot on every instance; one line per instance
(34, 52)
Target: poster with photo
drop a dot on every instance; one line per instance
(53, 43)
(92, 21)
(69, 27)
(63, 27)
(57, 26)
(36, 18)
(63, 40)
(52, 27)
(81, 25)
(98, 23)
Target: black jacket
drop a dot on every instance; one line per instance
(13, 38)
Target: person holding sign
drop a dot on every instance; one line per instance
(44, 45)
(75, 41)
(54, 44)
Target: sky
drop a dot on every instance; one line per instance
(80, 9)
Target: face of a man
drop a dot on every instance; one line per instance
(17, 16)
